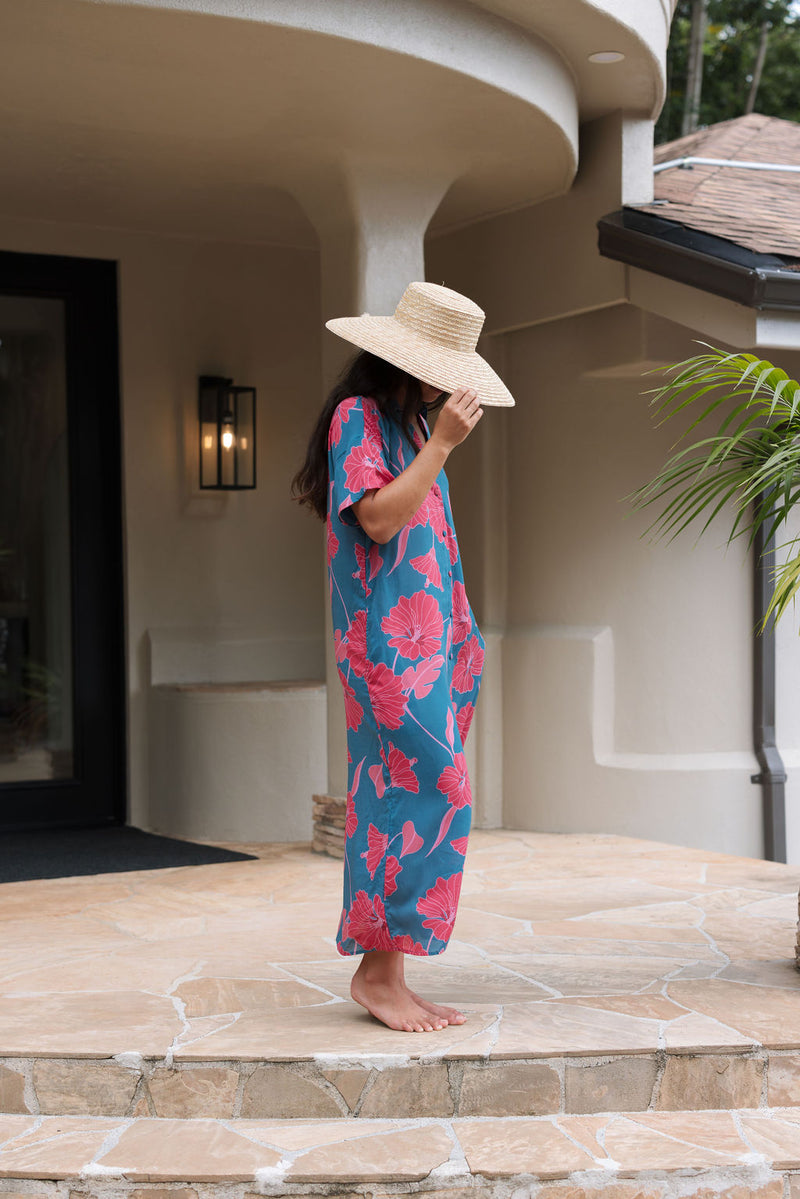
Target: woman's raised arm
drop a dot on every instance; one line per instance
(383, 511)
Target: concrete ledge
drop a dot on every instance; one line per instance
(236, 761)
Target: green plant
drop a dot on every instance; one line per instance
(752, 461)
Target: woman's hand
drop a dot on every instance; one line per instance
(382, 512)
(457, 417)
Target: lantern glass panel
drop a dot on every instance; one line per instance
(209, 437)
(244, 408)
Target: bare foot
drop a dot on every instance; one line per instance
(384, 994)
(450, 1014)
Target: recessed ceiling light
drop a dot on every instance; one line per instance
(606, 56)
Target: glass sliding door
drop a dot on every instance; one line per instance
(61, 709)
(36, 668)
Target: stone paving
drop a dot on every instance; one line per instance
(633, 1012)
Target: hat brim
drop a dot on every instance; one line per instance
(423, 358)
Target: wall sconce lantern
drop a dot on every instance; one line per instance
(227, 434)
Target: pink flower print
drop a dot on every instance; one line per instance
(450, 729)
(469, 665)
(364, 468)
(460, 844)
(376, 774)
(361, 571)
(437, 514)
(366, 922)
(340, 416)
(431, 511)
(464, 720)
(440, 904)
(333, 540)
(428, 566)
(392, 868)
(407, 944)
(377, 842)
(340, 644)
(454, 783)
(400, 770)
(452, 544)
(350, 820)
(462, 617)
(418, 680)
(357, 643)
(411, 839)
(375, 560)
(415, 624)
(372, 419)
(386, 695)
(353, 711)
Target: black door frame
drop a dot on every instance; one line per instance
(97, 792)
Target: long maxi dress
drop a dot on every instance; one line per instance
(410, 657)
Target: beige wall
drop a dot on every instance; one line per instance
(541, 262)
(677, 670)
(626, 662)
(243, 565)
(626, 696)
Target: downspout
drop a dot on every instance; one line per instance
(772, 775)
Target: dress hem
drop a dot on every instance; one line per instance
(428, 953)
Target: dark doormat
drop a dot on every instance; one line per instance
(62, 853)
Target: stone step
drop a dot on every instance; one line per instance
(748, 1154)
(331, 1085)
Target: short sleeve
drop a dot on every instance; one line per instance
(356, 458)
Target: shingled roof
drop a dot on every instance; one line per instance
(758, 209)
(732, 231)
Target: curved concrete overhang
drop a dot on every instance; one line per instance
(639, 29)
(139, 104)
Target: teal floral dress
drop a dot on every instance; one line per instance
(410, 658)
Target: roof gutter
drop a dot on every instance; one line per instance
(622, 236)
(690, 160)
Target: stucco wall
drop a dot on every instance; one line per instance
(625, 664)
(626, 661)
(246, 565)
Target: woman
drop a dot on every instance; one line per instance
(408, 648)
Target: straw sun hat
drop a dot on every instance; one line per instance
(432, 335)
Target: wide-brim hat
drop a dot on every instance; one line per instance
(432, 336)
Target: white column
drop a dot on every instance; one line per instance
(371, 219)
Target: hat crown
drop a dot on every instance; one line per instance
(441, 315)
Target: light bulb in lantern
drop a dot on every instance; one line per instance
(228, 436)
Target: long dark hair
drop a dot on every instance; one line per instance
(363, 375)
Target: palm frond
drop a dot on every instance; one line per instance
(750, 464)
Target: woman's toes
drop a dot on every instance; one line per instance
(449, 1015)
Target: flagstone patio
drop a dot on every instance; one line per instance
(633, 1012)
